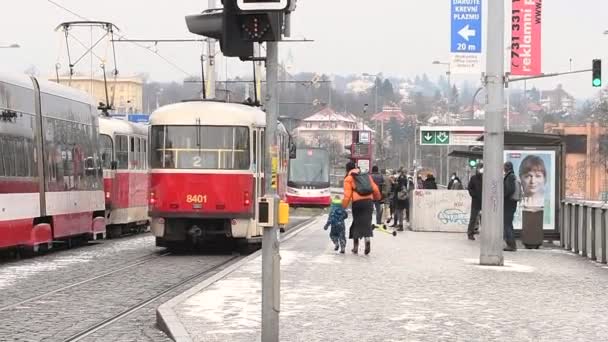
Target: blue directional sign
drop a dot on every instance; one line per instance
(466, 26)
(139, 118)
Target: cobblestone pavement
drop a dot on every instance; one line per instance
(26, 278)
(56, 317)
(413, 287)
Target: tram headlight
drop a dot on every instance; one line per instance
(292, 191)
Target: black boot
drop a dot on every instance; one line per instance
(471, 236)
(511, 246)
(355, 249)
(336, 247)
(400, 228)
(368, 247)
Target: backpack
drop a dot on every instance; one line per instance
(519, 191)
(402, 194)
(363, 184)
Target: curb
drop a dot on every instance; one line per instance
(166, 318)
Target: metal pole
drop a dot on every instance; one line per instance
(211, 62)
(525, 111)
(509, 109)
(376, 96)
(492, 206)
(270, 242)
(447, 169)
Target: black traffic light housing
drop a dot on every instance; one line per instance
(237, 30)
(596, 73)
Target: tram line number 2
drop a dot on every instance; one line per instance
(198, 199)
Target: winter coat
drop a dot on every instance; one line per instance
(350, 195)
(379, 180)
(475, 190)
(400, 184)
(429, 183)
(336, 217)
(455, 184)
(509, 186)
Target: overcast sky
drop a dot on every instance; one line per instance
(395, 37)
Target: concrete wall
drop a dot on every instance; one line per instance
(440, 211)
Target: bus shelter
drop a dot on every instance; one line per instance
(539, 163)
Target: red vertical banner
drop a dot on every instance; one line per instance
(526, 21)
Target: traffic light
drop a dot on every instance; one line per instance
(472, 162)
(241, 23)
(597, 73)
(222, 25)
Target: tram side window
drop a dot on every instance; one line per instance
(143, 154)
(122, 152)
(263, 149)
(107, 148)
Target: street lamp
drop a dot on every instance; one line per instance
(375, 87)
(449, 74)
(10, 46)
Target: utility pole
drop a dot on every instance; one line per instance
(447, 155)
(271, 258)
(210, 62)
(492, 206)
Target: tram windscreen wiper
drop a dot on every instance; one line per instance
(198, 135)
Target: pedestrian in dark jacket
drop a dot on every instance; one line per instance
(391, 199)
(475, 190)
(455, 183)
(401, 198)
(429, 182)
(379, 180)
(510, 206)
(336, 218)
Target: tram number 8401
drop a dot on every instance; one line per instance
(197, 199)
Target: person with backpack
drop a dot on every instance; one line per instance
(378, 205)
(401, 198)
(512, 195)
(360, 189)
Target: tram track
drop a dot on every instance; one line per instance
(87, 332)
(135, 262)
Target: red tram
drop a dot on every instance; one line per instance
(207, 170)
(50, 174)
(124, 156)
(308, 180)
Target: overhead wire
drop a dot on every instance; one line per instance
(120, 36)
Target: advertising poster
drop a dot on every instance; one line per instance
(536, 172)
(526, 23)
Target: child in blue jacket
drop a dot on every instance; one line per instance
(336, 218)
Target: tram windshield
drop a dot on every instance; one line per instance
(200, 147)
(310, 167)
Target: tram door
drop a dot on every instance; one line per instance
(258, 164)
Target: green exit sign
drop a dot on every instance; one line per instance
(434, 137)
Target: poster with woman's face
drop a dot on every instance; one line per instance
(536, 172)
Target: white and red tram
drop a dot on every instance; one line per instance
(207, 170)
(124, 157)
(308, 179)
(50, 174)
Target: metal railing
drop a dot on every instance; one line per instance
(584, 228)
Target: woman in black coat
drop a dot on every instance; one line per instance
(429, 182)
